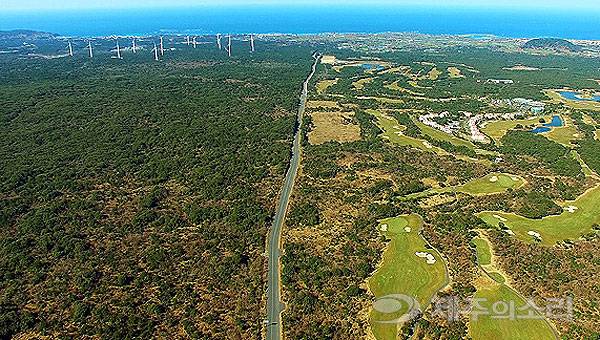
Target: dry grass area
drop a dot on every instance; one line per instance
(328, 59)
(399, 69)
(361, 83)
(434, 74)
(333, 126)
(395, 87)
(455, 72)
(323, 85)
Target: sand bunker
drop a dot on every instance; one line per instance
(429, 257)
(571, 209)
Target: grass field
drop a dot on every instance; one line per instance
(484, 254)
(491, 184)
(568, 225)
(333, 126)
(488, 324)
(497, 129)
(323, 85)
(402, 272)
(392, 131)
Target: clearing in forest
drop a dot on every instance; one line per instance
(333, 126)
(578, 218)
(323, 85)
(410, 268)
(454, 72)
(396, 87)
(433, 74)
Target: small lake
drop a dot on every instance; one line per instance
(572, 95)
(547, 127)
(375, 67)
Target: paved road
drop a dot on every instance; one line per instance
(274, 304)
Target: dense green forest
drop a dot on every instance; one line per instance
(135, 196)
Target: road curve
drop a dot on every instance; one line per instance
(274, 304)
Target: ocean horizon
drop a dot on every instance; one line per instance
(290, 19)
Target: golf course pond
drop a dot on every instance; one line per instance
(373, 67)
(577, 96)
(547, 127)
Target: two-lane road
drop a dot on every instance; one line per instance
(274, 304)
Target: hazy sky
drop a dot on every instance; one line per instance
(89, 4)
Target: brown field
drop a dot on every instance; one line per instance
(333, 126)
(316, 104)
(395, 87)
(361, 83)
(328, 59)
(434, 74)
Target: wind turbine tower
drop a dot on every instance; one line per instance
(229, 45)
(70, 49)
(194, 41)
(187, 40)
(219, 40)
(162, 46)
(119, 51)
(155, 52)
(252, 42)
(90, 49)
(133, 46)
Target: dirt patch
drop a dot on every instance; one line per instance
(328, 59)
(333, 126)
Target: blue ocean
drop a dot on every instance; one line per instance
(575, 24)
